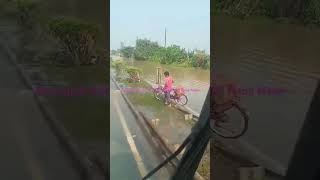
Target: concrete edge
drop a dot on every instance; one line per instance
(137, 115)
(54, 124)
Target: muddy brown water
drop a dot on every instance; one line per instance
(265, 54)
(194, 80)
(180, 73)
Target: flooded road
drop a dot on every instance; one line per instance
(255, 55)
(131, 154)
(195, 81)
(120, 153)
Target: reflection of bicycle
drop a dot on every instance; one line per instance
(177, 97)
(223, 126)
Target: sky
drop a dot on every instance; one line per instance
(187, 22)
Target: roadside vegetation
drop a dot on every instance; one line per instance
(127, 73)
(147, 50)
(298, 11)
(76, 39)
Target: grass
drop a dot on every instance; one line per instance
(147, 99)
(191, 122)
(143, 99)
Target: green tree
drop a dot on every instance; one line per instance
(145, 49)
(200, 59)
(174, 54)
(127, 51)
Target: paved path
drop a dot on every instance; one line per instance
(29, 149)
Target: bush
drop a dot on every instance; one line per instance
(76, 38)
(200, 59)
(134, 73)
(119, 66)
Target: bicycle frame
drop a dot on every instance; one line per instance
(160, 89)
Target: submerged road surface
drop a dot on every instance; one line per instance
(29, 148)
(131, 154)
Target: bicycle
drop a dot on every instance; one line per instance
(221, 124)
(179, 98)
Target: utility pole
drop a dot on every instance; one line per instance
(165, 37)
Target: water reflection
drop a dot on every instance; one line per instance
(252, 54)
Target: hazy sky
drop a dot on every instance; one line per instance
(187, 22)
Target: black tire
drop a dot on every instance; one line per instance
(228, 134)
(183, 100)
(157, 94)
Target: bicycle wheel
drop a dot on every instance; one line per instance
(230, 128)
(182, 100)
(157, 93)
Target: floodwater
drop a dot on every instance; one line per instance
(196, 81)
(255, 55)
(123, 155)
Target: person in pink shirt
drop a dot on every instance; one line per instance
(168, 86)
